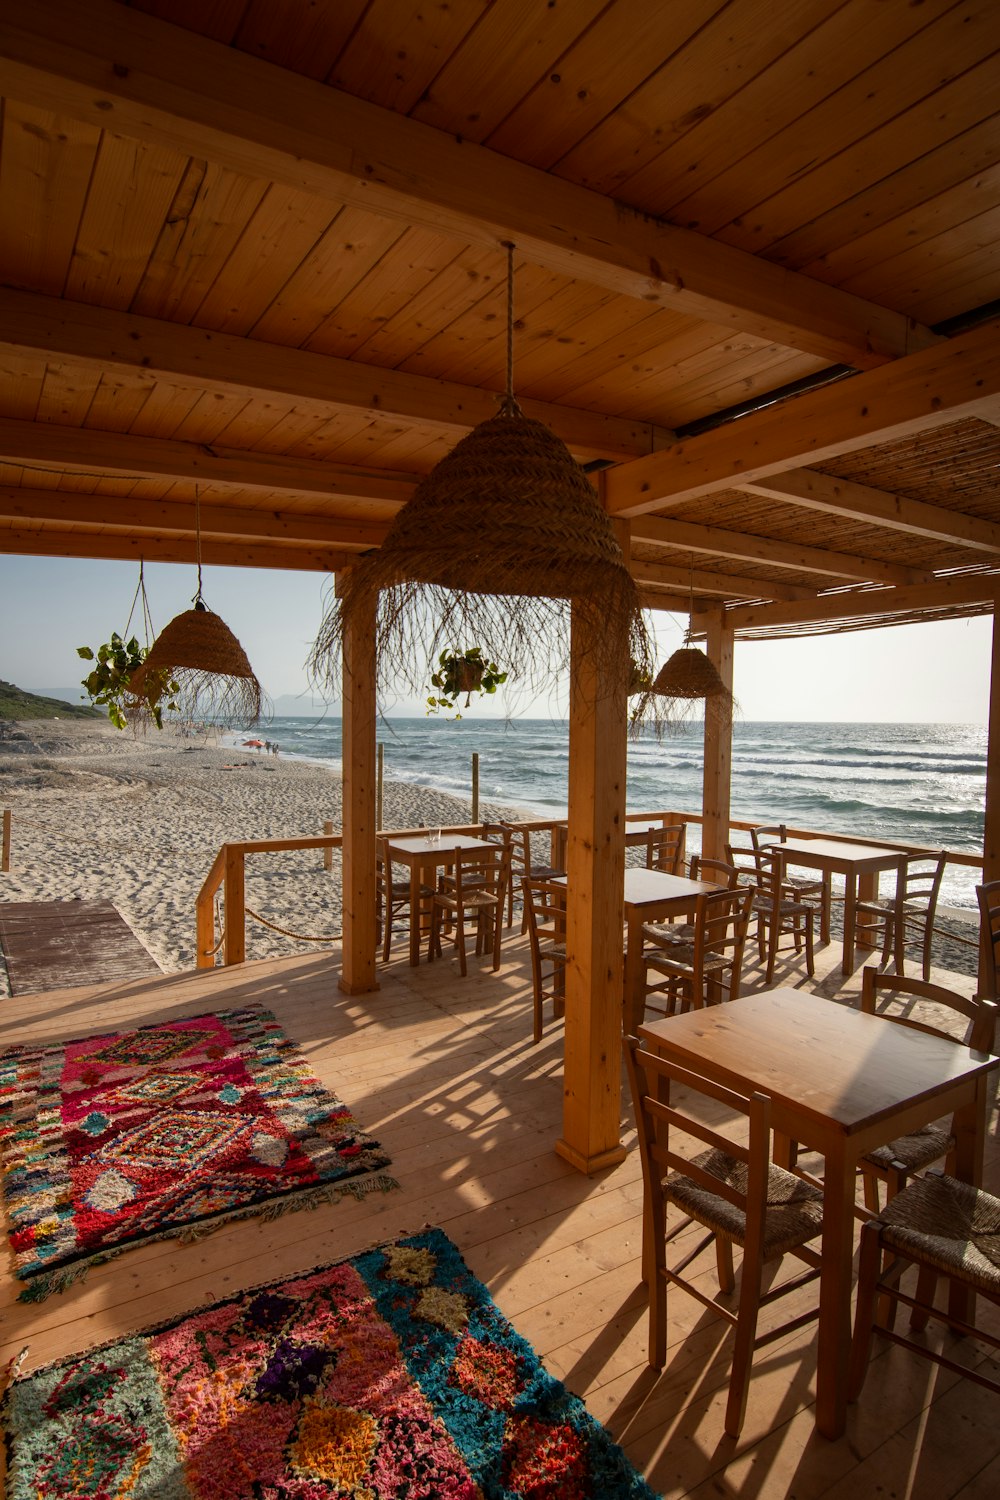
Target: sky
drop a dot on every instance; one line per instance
(934, 673)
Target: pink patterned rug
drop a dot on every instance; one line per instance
(133, 1136)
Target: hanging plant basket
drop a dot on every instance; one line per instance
(467, 672)
(111, 682)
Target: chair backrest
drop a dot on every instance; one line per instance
(768, 833)
(918, 883)
(988, 896)
(980, 1015)
(714, 870)
(720, 921)
(762, 875)
(545, 906)
(481, 869)
(665, 848)
(673, 1133)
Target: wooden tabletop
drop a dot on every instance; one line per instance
(646, 887)
(445, 844)
(839, 851)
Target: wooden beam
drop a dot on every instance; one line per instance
(123, 344)
(931, 389)
(716, 542)
(812, 490)
(718, 741)
(651, 598)
(729, 585)
(358, 973)
(964, 588)
(991, 819)
(32, 541)
(137, 76)
(165, 516)
(83, 450)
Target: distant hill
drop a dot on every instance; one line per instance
(15, 703)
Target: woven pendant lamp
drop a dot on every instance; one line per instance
(495, 539)
(688, 673)
(203, 656)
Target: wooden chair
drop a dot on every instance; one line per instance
(699, 960)
(545, 905)
(797, 887)
(912, 908)
(895, 1162)
(779, 915)
(717, 871)
(392, 898)
(665, 848)
(945, 1228)
(522, 865)
(988, 897)
(501, 835)
(732, 1189)
(478, 884)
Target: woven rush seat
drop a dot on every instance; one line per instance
(913, 1151)
(947, 1224)
(793, 1210)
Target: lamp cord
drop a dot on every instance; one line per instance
(509, 406)
(197, 601)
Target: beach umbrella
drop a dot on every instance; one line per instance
(497, 538)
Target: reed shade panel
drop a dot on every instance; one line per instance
(215, 676)
(505, 525)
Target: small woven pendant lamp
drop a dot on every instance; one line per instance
(688, 677)
(501, 528)
(207, 661)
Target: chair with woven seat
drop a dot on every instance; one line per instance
(545, 905)
(478, 885)
(779, 914)
(717, 871)
(895, 1162)
(522, 863)
(665, 848)
(910, 909)
(392, 898)
(697, 961)
(945, 1228)
(988, 896)
(730, 1188)
(500, 834)
(797, 887)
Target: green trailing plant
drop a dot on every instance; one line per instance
(109, 684)
(462, 672)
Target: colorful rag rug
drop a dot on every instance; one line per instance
(390, 1375)
(136, 1135)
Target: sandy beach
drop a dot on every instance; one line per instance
(100, 814)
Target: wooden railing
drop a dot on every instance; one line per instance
(229, 868)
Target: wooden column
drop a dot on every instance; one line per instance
(596, 869)
(358, 974)
(718, 764)
(991, 822)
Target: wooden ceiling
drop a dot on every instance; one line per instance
(256, 246)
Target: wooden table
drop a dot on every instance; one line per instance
(422, 855)
(840, 857)
(842, 1083)
(649, 896)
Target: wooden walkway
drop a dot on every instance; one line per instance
(442, 1070)
(50, 945)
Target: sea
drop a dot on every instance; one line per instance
(907, 783)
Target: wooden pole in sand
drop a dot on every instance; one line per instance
(328, 851)
(378, 786)
(5, 856)
(475, 786)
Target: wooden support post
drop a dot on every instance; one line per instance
(596, 869)
(718, 764)
(379, 779)
(328, 851)
(359, 816)
(235, 946)
(991, 821)
(475, 786)
(5, 854)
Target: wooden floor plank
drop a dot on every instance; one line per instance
(49, 945)
(443, 1071)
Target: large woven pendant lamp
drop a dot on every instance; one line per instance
(203, 656)
(495, 539)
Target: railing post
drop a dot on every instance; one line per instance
(204, 932)
(5, 854)
(475, 786)
(328, 851)
(235, 946)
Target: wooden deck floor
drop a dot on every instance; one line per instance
(442, 1070)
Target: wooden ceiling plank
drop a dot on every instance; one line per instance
(811, 490)
(36, 541)
(308, 38)
(171, 88)
(974, 588)
(91, 452)
(46, 162)
(118, 341)
(941, 262)
(425, 39)
(164, 517)
(929, 389)
(741, 546)
(728, 585)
